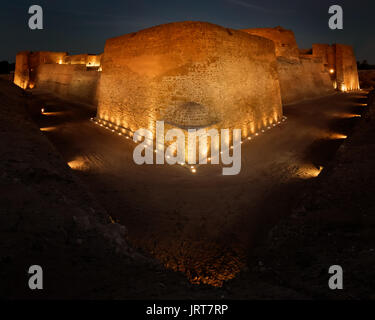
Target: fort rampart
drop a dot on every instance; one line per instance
(193, 75)
(70, 76)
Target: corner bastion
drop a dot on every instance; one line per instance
(340, 61)
(226, 77)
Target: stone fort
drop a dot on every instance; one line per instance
(193, 75)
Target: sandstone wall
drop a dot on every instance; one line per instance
(27, 63)
(21, 72)
(340, 60)
(190, 74)
(285, 41)
(346, 68)
(302, 75)
(69, 81)
(90, 60)
(49, 71)
(321, 51)
(303, 79)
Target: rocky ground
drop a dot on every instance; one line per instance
(48, 217)
(332, 222)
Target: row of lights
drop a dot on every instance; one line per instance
(128, 134)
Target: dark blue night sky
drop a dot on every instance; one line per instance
(83, 26)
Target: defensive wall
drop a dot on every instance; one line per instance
(301, 76)
(70, 76)
(190, 75)
(193, 75)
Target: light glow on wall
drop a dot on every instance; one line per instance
(78, 164)
(346, 115)
(48, 129)
(128, 134)
(338, 136)
(309, 171)
(53, 113)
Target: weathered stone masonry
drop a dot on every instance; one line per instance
(340, 61)
(70, 76)
(227, 76)
(301, 76)
(193, 75)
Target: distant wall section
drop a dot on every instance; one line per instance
(302, 76)
(73, 77)
(27, 63)
(89, 60)
(69, 81)
(346, 68)
(303, 79)
(339, 60)
(284, 40)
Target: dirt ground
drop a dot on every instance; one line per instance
(49, 218)
(274, 229)
(203, 224)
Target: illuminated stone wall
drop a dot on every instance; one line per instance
(285, 41)
(340, 61)
(27, 63)
(193, 74)
(346, 68)
(321, 51)
(73, 77)
(90, 60)
(73, 82)
(190, 74)
(21, 73)
(302, 76)
(303, 79)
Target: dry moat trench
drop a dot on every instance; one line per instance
(203, 225)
